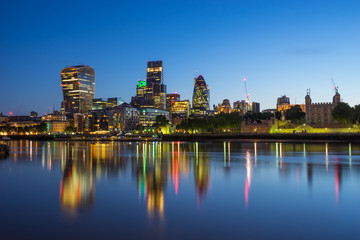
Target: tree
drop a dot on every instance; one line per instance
(343, 113)
(41, 128)
(356, 115)
(295, 114)
(161, 121)
(70, 129)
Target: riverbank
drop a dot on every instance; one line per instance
(345, 137)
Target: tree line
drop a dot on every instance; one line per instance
(40, 128)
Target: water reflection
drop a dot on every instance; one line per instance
(159, 168)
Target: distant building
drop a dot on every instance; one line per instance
(283, 104)
(22, 121)
(244, 107)
(78, 85)
(102, 103)
(181, 108)
(201, 96)
(80, 122)
(97, 120)
(3, 118)
(33, 114)
(53, 117)
(255, 127)
(142, 99)
(152, 92)
(57, 126)
(171, 98)
(148, 116)
(320, 113)
(225, 107)
(282, 100)
(155, 88)
(124, 118)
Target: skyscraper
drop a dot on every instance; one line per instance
(152, 92)
(201, 96)
(78, 85)
(155, 89)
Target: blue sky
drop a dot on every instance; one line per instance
(281, 47)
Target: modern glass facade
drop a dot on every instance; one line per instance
(148, 116)
(155, 89)
(102, 103)
(78, 85)
(152, 92)
(201, 96)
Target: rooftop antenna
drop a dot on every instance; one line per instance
(17, 111)
(336, 88)
(247, 94)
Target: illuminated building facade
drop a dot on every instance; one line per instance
(78, 85)
(98, 120)
(171, 98)
(57, 126)
(225, 107)
(152, 92)
(53, 117)
(124, 118)
(201, 97)
(148, 116)
(244, 107)
(142, 99)
(155, 89)
(319, 114)
(101, 103)
(283, 104)
(181, 108)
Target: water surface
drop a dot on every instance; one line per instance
(180, 190)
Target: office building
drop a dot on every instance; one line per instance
(243, 107)
(201, 96)
(171, 98)
(78, 85)
(102, 103)
(155, 88)
(152, 92)
(124, 118)
(148, 117)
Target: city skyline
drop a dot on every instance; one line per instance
(317, 41)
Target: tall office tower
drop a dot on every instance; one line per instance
(201, 96)
(155, 89)
(78, 85)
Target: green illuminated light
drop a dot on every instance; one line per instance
(141, 84)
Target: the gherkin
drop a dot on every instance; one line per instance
(201, 96)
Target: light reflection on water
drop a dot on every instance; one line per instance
(220, 178)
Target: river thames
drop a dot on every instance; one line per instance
(180, 190)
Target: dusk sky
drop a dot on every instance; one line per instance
(280, 46)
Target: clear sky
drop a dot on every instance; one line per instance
(280, 46)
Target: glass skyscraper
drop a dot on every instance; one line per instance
(78, 85)
(152, 92)
(155, 89)
(201, 96)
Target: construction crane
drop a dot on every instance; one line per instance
(247, 94)
(334, 86)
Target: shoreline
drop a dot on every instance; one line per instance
(296, 137)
